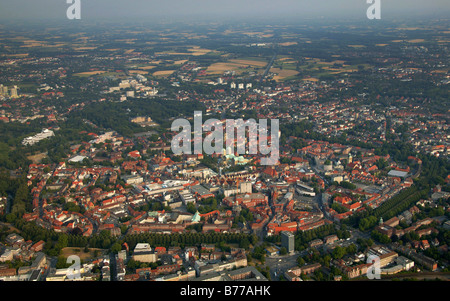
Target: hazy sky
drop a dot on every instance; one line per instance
(113, 9)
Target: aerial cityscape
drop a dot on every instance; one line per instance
(120, 158)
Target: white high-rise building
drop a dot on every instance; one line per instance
(245, 187)
(14, 92)
(3, 90)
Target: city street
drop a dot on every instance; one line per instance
(279, 264)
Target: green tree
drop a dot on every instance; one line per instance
(116, 247)
(244, 243)
(338, 252)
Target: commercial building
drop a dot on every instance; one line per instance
(46, 133)
(144, 253)
(288, 241)
(249, 273)
(397, 173)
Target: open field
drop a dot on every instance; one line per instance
(180, 62)
(34, 43)
(288, 43)
(17, 55)
(137, 72)
(172, 53)
(310, 79)
(66, 252)
(250, 62)
(409, 41)
(416, 41)
(237, 65)
(37, 158)
(163, 73)
(10, 227)
(286, 61)
(408, 28)
(147, 67)
(282, 73)
(219, 68)
(89, 73)
(85, 48)
(194, 51)
(332, 63)
(317, 67)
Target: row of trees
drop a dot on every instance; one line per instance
(55, 241)
(259, 253)
(302, 238)
(21, 200)
(400, 202)
(305, 130)
(434, 171)
(117, 115)
(369, 218)
(187, 239)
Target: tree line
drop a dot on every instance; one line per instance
(56, 241)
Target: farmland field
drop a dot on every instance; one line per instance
(237, 65)
(282, 73)
(163, 73)
(89, 73)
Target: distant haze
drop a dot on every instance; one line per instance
(210, 9)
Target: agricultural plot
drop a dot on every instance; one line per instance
(89, 73)
(237, 65)
(163, 73)
(282, 74)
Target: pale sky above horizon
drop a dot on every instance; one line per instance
(115, 9)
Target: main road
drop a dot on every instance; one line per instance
(279, 264)
(268, 67)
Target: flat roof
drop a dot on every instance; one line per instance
(397, 173)
(200, 190)
(287, 233)
(77, 158)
